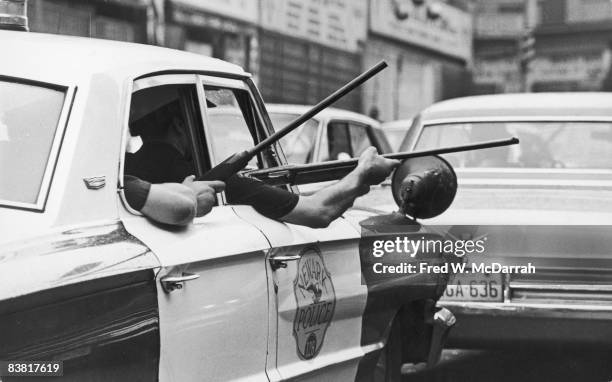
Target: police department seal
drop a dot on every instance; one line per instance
(316, 302)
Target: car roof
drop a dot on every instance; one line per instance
(523, 105)
(330, 112)
(400, 124)
(63, 59)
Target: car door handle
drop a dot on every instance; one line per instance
(280, 261)
(171, 283)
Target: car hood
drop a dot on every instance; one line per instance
(528, 206)
(553, 202)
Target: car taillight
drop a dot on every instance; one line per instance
(13, 15)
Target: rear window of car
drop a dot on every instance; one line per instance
(29, 116)
(572, 145)
(299, 145)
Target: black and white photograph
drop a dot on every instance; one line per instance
(306, 190)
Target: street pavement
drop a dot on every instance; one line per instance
(525, 365)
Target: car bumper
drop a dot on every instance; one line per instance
(516, 324)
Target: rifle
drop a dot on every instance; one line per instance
(333, 170)
(238, 161)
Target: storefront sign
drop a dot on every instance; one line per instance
(582, 68)
(243, 10)
(450, 33)
(503, 72)
(337, 23)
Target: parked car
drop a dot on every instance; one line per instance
(89, 281)
(332, 134)
(396, 131)
(547, 202)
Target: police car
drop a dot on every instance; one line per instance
(88, 281)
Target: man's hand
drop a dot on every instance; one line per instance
(205, 192)
(373, 168)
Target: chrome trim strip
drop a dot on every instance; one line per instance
(124, 140)
(513, 183)
(165, 79)
(545, 118)
(533, 171)
(467, 306)
(321, 129)
(204, 116)
(224, 82)
(222, 200)
(561, 287)
(224, 74)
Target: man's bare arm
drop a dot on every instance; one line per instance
(180, 203)
(170, 203)
(324, 206)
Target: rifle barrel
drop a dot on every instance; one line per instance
(448, 150)
(363, 77)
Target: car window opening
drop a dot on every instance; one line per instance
(163, 128)
(339, 142)
(232, 123)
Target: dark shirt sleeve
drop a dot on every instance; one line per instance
(136, 191)
(158, 162)
(269, 201)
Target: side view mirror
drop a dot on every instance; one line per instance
(424, 187)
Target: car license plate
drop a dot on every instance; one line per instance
(474, 287)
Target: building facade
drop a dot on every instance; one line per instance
(499, 27)
(311, 48)
(225, 29)
(124, 20)
(428, 46)
(299, 51)
(573, 40)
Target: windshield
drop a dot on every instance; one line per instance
(572, 145)
(299, 145)
(29, 117)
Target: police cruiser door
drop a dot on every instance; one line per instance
(316, 297)
(212, 288)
